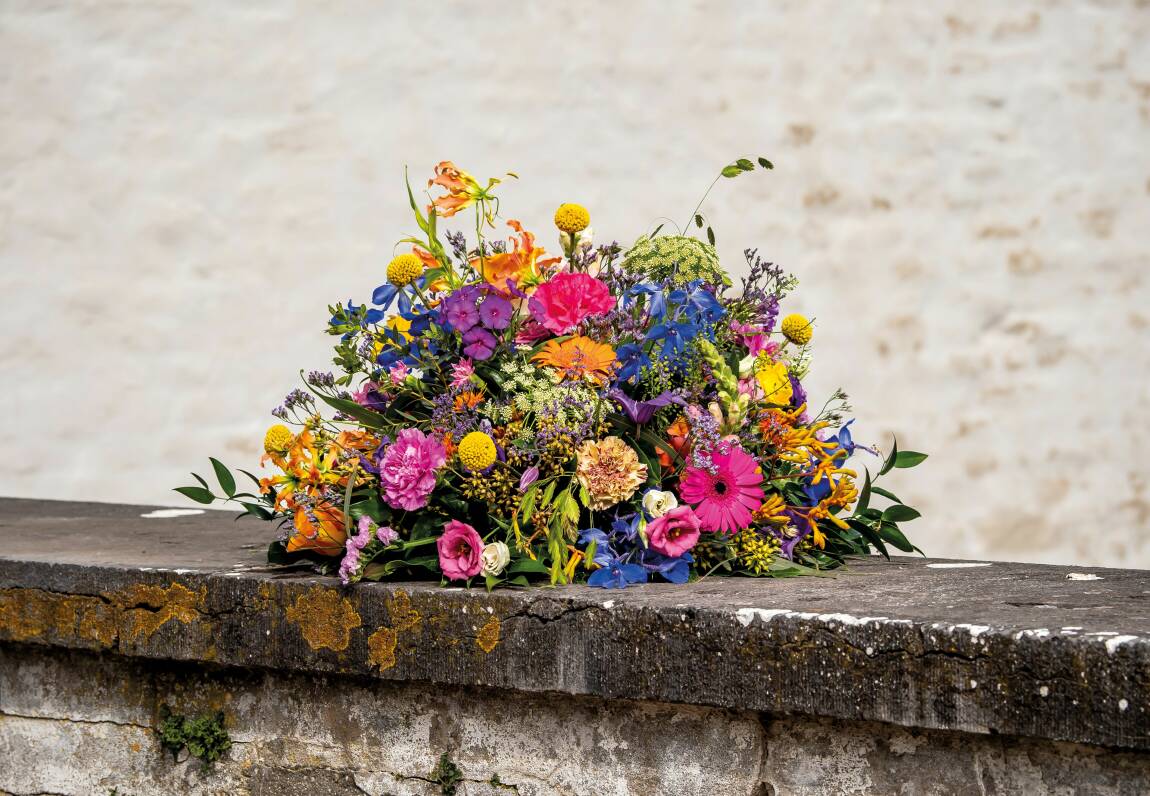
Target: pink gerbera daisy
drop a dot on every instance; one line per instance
(724, 499)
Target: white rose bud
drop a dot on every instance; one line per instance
(658, 503)
(494, 558)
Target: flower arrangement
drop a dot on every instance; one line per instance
(605, 414)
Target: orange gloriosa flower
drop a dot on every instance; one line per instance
(678, 434)
(578, 358)
(462, 189)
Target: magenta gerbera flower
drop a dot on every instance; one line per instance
(724, 499)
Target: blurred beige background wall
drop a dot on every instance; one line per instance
(963, 188)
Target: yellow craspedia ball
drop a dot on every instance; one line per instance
(477, 451)
(278, 439)
(572, 218)
(404, 269)
(797, 329)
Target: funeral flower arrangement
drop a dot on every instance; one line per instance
(608, 413)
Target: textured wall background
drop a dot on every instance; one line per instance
(963, 187)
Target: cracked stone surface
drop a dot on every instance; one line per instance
(141, 610)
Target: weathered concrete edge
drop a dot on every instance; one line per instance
(928, 675)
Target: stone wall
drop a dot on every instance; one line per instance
(78, 724)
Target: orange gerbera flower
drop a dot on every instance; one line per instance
(326, 535)
(468, 399)
(521, 264)
(578, 358)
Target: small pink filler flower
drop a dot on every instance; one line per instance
(567, 300)
(460, 551)
(675, 532)
(725, 499)
(407, 469)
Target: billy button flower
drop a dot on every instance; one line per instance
(277, 442)
(797, 329)
(404, 269)
(477, 451)
(572, 218)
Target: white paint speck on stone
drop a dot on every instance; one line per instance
(973, 684)
(1044, 691)
(1112, 644)
(1122, 705)
(166, 514)
(1083, 576)
(609, 604)
(959, 565)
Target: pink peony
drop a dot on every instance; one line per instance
(675, 532)
(407, 469)
(567, 299)
(725, 499)
(460, 551)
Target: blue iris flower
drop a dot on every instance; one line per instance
(614, 574)
(676, 570)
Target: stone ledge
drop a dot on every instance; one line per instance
(1014, 649)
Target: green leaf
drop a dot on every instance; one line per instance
(731, 171)
(698, 221)
(257, 511)
(527, 565)
(870, 535)
(710, 236)
(886, 493)
(908, 459)
(891, 533)
(766, 164)
(864, 496)
(745, 164)
(900, 513)
(419, 219)
(249, 475)
(527, 506)
(224, 476)
(656, 232)
(196, 493)
(203, 483)
(278, 554)
(888, 465)
(366, 416)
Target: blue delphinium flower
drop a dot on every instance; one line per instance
(675, 337)
(614, 574)
(631, 360)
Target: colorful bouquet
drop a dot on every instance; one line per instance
(609, 414)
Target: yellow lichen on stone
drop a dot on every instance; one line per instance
(382, 643)
(33, 613)
(146, 608)
(488, 637)
(325, 618)
(381, 648)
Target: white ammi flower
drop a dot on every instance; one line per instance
(657, 503)
(494, 558)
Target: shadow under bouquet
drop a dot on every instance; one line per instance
(605, 414)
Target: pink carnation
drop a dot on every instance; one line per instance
(407, 469)
(460, 551)
(567, 300)
(675, 532)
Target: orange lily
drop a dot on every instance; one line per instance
(521, 264)
(326, 535)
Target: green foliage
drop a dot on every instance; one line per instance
(204, 736)
(253, 504)
(446, 775)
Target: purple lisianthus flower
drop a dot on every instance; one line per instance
(495, 312)
(478, 343)
(798, 394)
(641, 412)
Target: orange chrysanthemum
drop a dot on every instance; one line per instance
(521, 264)
(578, 358)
